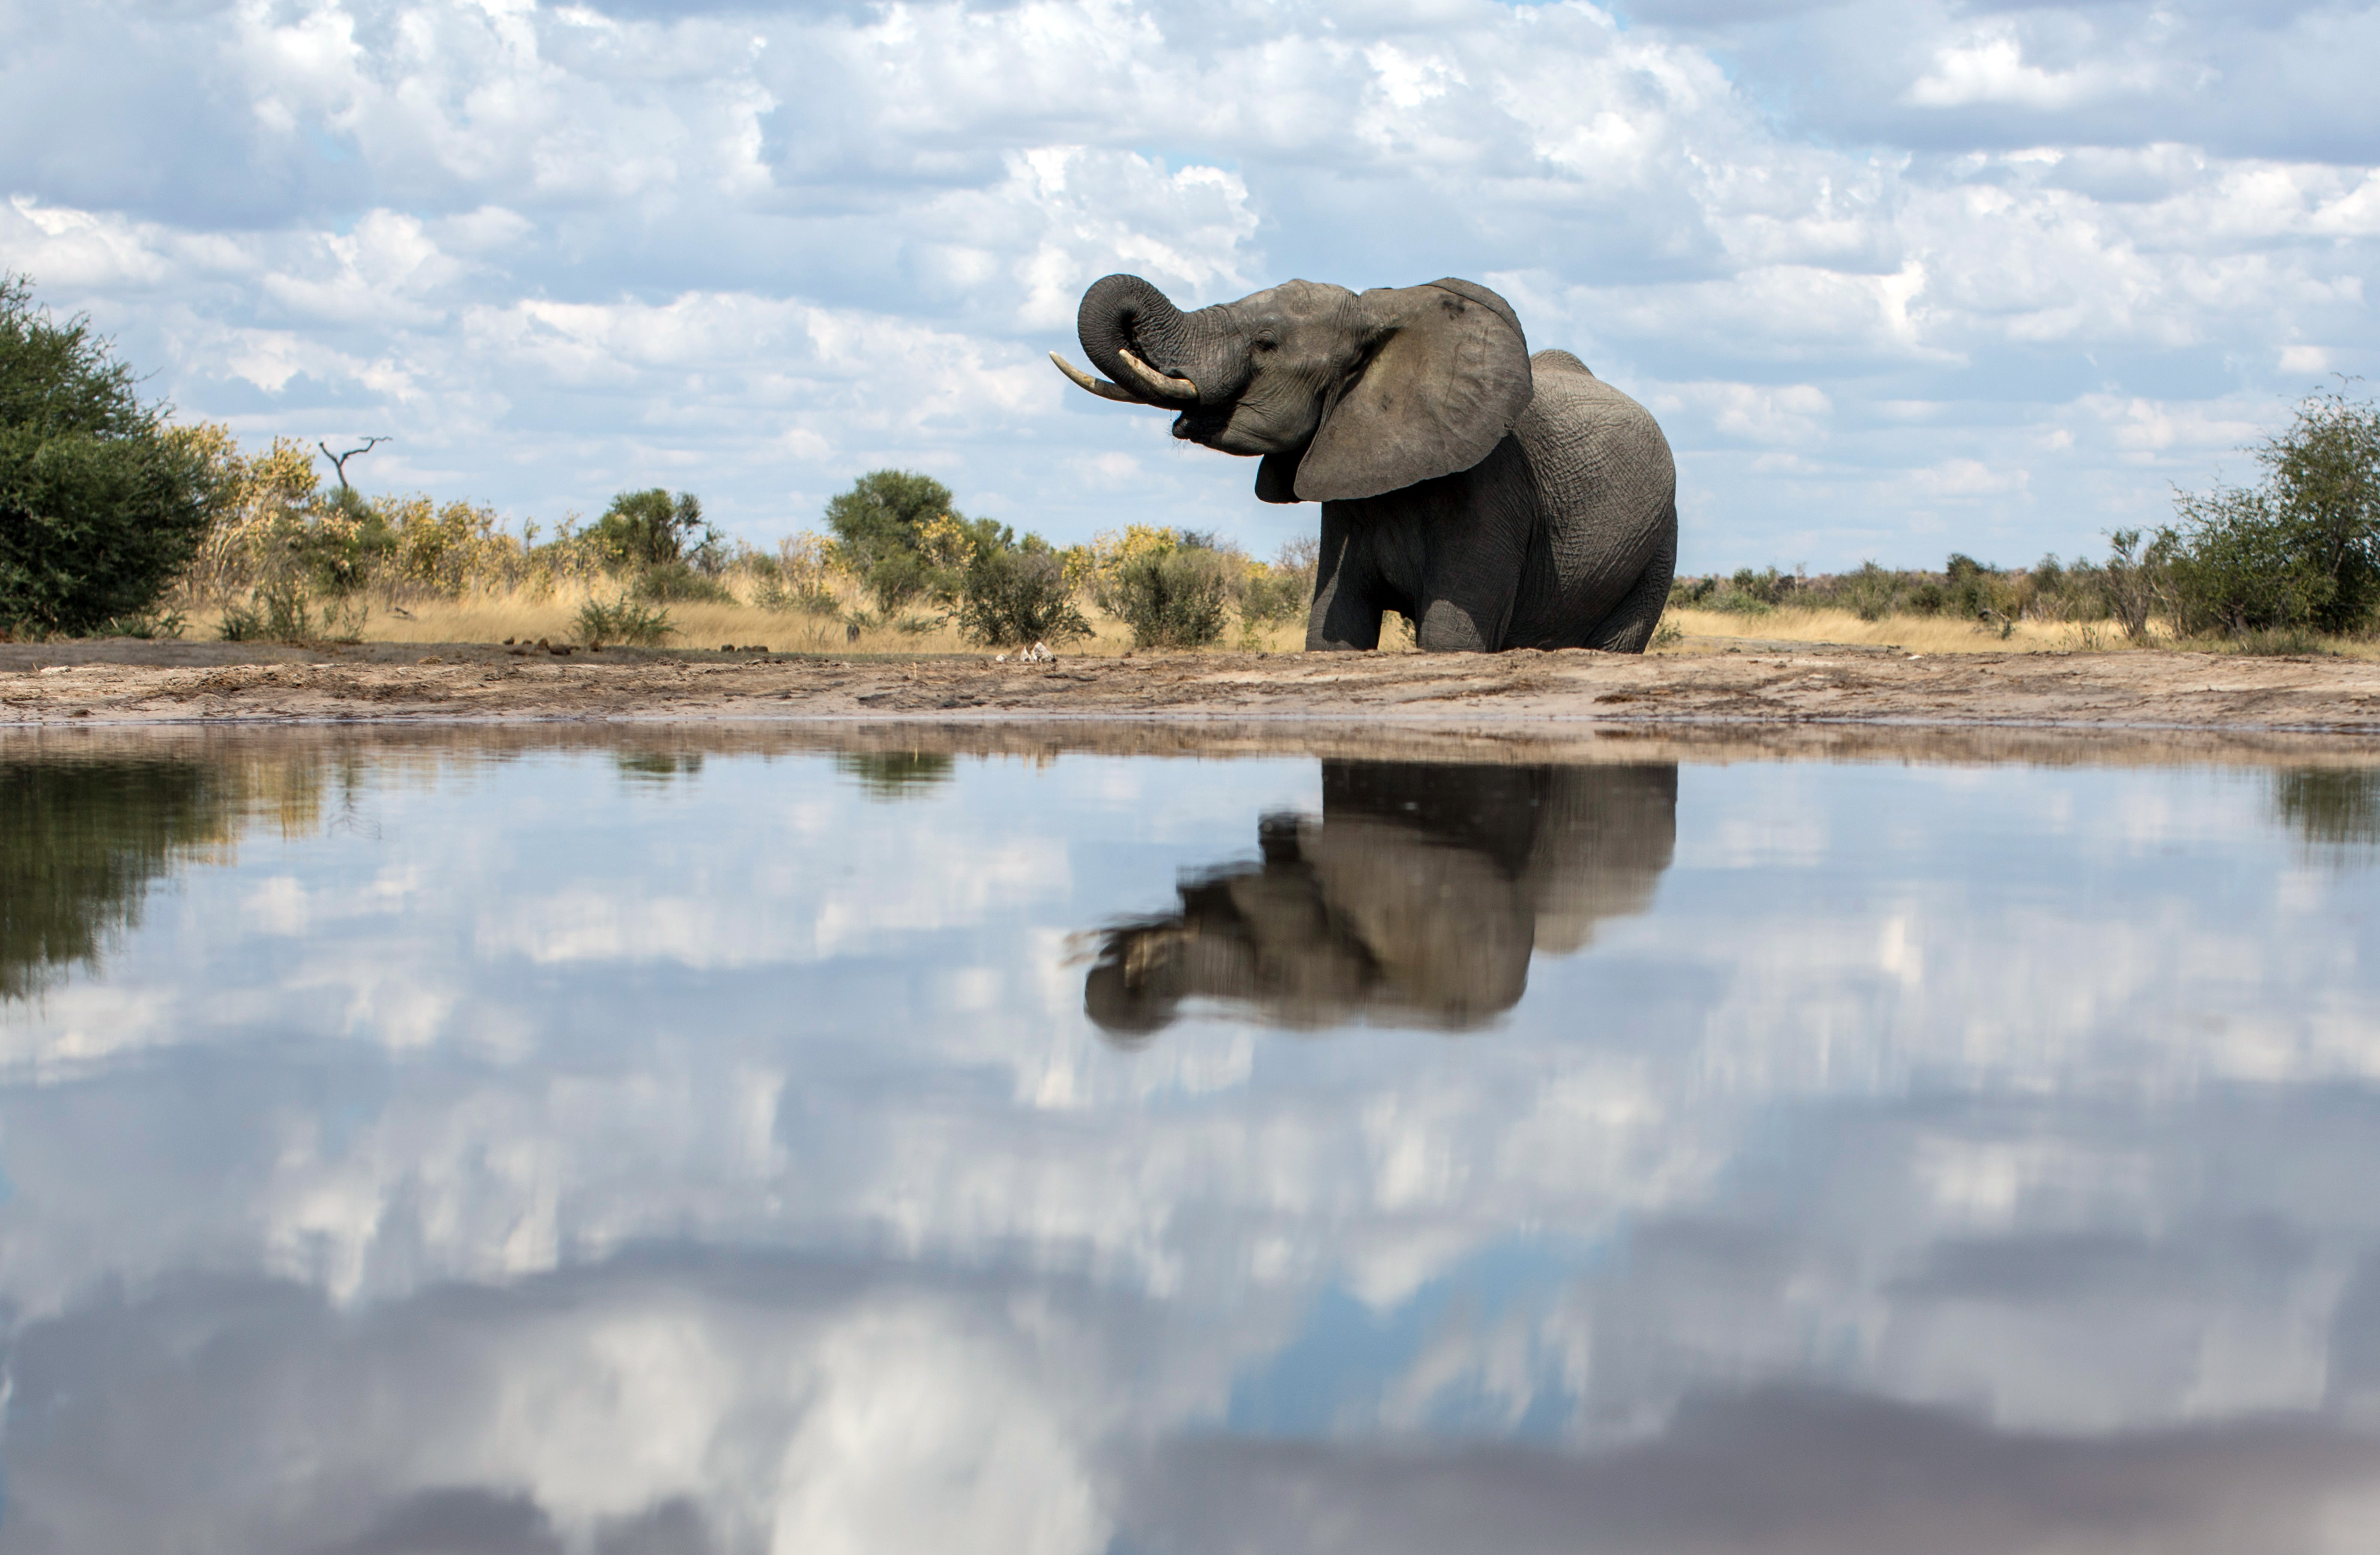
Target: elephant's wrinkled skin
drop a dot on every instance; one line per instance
(1414, 899)
(1495, 499)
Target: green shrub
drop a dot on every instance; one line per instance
(623, 620)
(285, 613)
(102, 502)
(1282, 593)
(678, 583)
(341, 545)
(896, 579)
(1275, 598)
(810, 599)
(168, 626)
(1176, 599)
(653, 528)
(2300, 550)
(2132, 577)
(1014, 598)
(899, 535)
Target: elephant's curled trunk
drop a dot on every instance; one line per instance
(1138, 338)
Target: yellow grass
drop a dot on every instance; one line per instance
(525, 617)
(1917, 634)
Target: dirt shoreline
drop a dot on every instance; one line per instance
(1743, 684)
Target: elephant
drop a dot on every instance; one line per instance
(1495, 499)
(1416, 899)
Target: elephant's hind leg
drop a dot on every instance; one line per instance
(1629, 627)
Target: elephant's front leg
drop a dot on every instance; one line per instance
(1346, 611)
(1474, 531)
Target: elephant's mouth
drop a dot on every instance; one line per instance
(1204, 424)
(1227, 429)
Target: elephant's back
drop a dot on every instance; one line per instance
(1606, 486)
(1589, 432)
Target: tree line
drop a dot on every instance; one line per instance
(110, 510)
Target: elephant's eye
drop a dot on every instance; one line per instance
(1268, 344)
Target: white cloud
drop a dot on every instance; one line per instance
(557, 251)
(1991, 67)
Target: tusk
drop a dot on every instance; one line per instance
(1099, 386)
(1156, 382)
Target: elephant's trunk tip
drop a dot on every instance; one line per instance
(1123, 323)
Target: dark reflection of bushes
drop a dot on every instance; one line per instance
(79, 843)
(896, 775)
(657, 766)
(2330, 807)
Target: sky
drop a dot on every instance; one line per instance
(1897, 277)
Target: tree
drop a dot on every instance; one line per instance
(902, 536)
(2300, 550)
(102, 502)
(882, 513)
(653, 528)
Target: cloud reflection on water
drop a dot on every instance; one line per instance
(1934, 1155)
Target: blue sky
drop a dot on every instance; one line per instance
(1897, 278)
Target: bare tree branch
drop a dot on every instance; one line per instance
(339, 461)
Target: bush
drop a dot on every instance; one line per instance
(1279, 594)
(102, 503)
(899, 534)
(1014, 598)
(623, 620)
(653, 528)
(283, 612)
(344, 544)
(677, 583)
(775, 592)
(897, 578)
(2298, 551)
(1176, 599)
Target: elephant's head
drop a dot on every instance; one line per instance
(1343, 395)
(1417, 898)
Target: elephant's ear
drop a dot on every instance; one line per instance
(1277, 478)
(1447, 376)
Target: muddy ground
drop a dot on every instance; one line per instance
(88, 683)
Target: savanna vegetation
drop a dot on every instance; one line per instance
(114, 519)
(2289, 565)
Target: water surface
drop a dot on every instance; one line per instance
(482, 1147)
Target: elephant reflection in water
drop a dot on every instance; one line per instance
(1414, 899)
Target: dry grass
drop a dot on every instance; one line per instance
(1917, 634)
(526, 617)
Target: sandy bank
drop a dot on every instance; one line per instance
(1751, 683)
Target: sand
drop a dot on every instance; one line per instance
(1744, 682)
